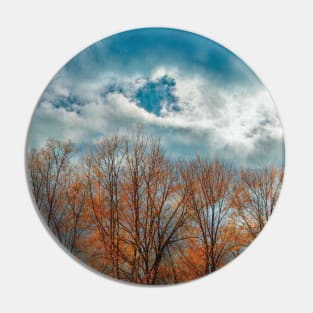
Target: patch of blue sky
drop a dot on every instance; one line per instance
(154, 94)
(69, 103)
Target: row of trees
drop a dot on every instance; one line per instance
(128, 211)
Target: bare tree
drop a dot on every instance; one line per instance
(48, 168)
(131, 212)
(156, 209)
(210, 187)
(104, 186)
(74, 202)
(255, 196)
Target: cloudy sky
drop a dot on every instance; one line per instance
(194, 94)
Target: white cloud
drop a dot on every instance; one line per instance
(222, 122)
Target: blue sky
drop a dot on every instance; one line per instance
(141, 51)
(193, 93)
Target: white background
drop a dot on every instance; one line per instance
(274, 38)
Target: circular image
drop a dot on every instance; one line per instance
(155, 156)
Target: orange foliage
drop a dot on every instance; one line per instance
(128, 211)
